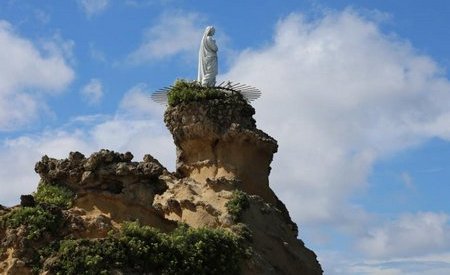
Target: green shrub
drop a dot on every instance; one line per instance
(54, 194)
(148, 249)
(184, 91)
(37, 220)
(142, 249)
(204, 251)
(87, 256)
(237, 204)
(243, 232)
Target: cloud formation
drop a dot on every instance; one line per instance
(175, 33)
(434, 264)
(93, 7)
(410, 235)
(26, 74)
(136, 103)
(93, 91)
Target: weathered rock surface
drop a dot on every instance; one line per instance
(110, 182)
(276, 250)
(219, 139)
(219, 151)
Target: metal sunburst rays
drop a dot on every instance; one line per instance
(250, 93)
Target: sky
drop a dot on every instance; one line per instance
(357, 93)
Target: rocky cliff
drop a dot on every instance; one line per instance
(108, 214)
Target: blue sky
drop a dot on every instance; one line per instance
(356, 92)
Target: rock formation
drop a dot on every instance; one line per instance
(220, 140)
(221, 183)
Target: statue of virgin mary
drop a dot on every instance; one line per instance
(207, 59)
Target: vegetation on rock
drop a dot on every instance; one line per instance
(237, 204)
(143, 249)
(186, 91)
(54, 194)
(46, 216)
(36, 220)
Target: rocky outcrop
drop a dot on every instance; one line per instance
(218, 138)
(112, 183)
(105, 171)
(219, 153)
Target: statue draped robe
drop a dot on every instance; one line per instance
(207, 59)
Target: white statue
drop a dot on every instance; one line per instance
(207, 59)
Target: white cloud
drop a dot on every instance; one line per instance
(410, 235)
(19, 155)
(143, 3)
(26, 74)
(338, 95)
(41, 16)
(17, 176)
(96, 54)
(343, 263)
(176, 32)
(58, 46)
(93, 7)
(93, 91)
(137, 102)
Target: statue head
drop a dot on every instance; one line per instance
(210, 30)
